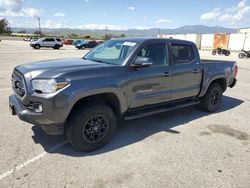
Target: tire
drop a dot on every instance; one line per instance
(214, 52)
(56, 47)
(241, 55)
(84, 134)
(37, 46)
(211, 101)
(227, 53)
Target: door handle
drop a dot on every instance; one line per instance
(195, 71)
(166, 74)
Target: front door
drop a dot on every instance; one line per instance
(150, 85)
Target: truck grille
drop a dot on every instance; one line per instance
(18, 84)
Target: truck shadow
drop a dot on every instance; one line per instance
(130, 132)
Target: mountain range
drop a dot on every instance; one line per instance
(199, 29)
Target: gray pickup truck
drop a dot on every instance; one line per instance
(120, 79)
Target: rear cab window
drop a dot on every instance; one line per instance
(182, 53)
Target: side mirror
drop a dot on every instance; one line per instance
(142, 62)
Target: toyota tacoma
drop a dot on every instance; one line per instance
(120, 79)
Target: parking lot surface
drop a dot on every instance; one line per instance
(182, 148)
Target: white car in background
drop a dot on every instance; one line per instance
(47, 43)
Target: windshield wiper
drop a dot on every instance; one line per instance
(97, 60)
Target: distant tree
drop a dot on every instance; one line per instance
(38, 33)
(73, 35)
(87, 37)
(122, 35)
(22, 31)
(4, 26)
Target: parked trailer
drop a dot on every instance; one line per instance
(236, 41)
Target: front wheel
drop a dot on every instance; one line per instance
(211, 101)
(91, 127)
(37, 46)
(214, 52)
(241, 55)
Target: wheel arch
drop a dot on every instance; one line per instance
(220, 80)
(108, 98)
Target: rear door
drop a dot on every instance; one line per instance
(150, 85)
(186, 71)
(51, 42)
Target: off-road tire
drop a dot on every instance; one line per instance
(78, 121)
(211, 101)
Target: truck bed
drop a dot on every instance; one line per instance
(206, 61)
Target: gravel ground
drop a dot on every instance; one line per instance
(183, 148)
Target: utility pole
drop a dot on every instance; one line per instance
(106, 32)
(39, 26)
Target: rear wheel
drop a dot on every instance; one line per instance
(241, 55)
(211, 101)
(56, 47)
(214, 52)
(91, 127)
(227, 53)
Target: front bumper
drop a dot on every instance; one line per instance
(233, 83)
(29, 116)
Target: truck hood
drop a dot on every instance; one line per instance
(58, 66)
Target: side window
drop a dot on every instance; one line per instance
(182, 53)
(157, 52)
(45, 40)
(51, 40)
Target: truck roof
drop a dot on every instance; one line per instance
(153, 39)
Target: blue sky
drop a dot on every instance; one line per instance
(125, 14)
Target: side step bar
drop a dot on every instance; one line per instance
(152, 111)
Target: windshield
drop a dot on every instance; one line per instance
(112, 51)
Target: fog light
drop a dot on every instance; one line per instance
(38, 108)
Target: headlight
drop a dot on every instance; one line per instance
(48, 85)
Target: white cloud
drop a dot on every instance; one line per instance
(141, 28)
(211, 15)
(59, 14)
(100, 27)
(32, 12)
(163, 21)
(12, 5)
(131, 8)
(240, 12)
(51, 24)
(13, 8)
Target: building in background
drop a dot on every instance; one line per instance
(244, 30)
(233, 41)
